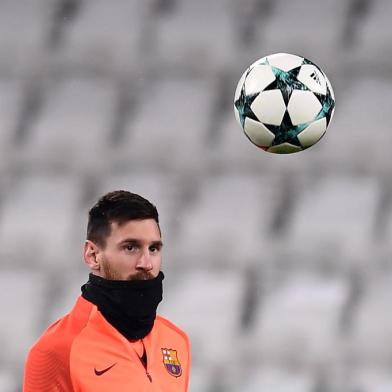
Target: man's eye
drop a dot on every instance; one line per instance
(153, 249)
(130, 247)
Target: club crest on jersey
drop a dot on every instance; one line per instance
(171, 362)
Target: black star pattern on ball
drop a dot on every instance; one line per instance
(308, 62)
(286, 132)
(286, 82)
(244, 103)
(327, 105)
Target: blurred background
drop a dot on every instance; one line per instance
(278, 267)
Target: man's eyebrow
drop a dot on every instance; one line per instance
(158, 244)
(128, 240)
(136, 241)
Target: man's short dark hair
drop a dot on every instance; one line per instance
(117, 207)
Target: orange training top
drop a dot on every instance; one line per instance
(82, 352)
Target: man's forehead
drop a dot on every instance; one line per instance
(143, 228)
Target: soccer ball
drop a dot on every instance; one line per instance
(284, 103)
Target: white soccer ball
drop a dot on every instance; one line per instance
(284, 103)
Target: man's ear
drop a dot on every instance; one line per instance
(90, 253)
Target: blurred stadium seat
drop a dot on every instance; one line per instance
(229, 221)
(371, 327)
(106, 35)
(371, 380)
(37, 221)
(200, 380)
(74, 126)
(293, 29)
(7, 381)
(175, 114)
(373, 50)
(24, 30)
(22, 308)
(182, 41)
(11, 97)
(278, 380)
(334, 213)
(298, 321)
(363, 106)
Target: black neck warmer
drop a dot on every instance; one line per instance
(129, 306)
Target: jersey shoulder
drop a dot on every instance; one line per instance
(164, 322)
(47, 363)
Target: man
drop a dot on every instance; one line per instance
(112, 340)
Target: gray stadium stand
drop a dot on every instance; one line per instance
(24, 28)
(22, 308)
(239, 202)
(372, 327)
(73, 129)
(306, 28)
(175, 114)
(197, 36)
(358, 139)
(200, 379)
(106, 35)
(278, 380)
(371, 380)
(10, 103)
(332, 212)
(37, 220)
(7, 381)
(373, 50)
(298, 320)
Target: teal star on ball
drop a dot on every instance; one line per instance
(286, 132)
(327, 105)
(243, 105)
(286, 82)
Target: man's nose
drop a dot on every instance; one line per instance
(144, 261)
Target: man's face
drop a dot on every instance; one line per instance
(132, 251)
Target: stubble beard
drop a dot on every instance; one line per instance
(111, 274)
